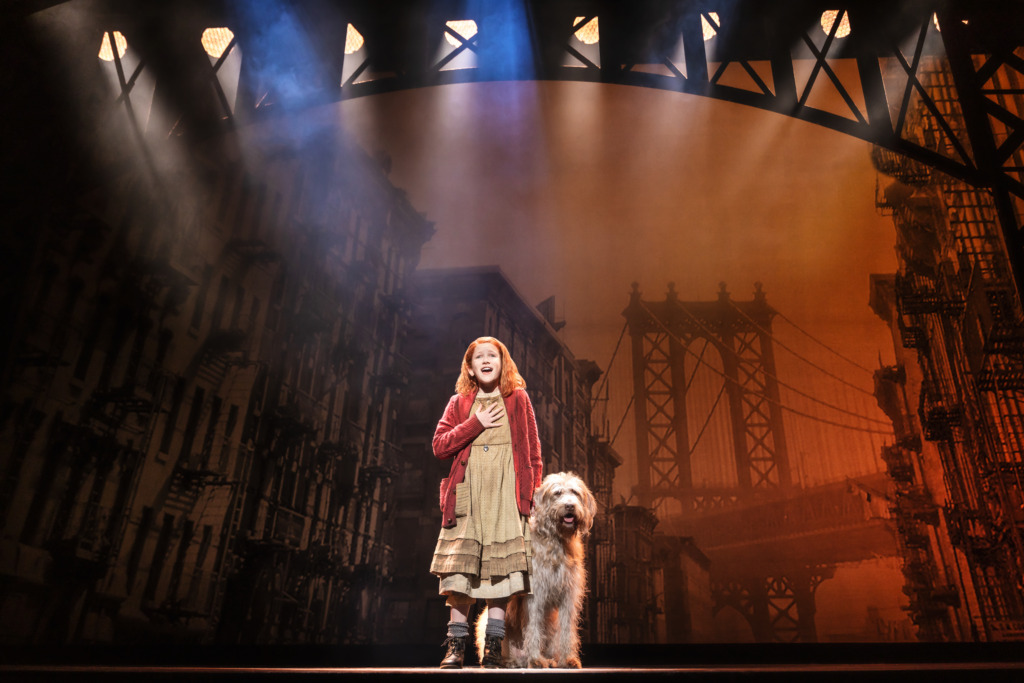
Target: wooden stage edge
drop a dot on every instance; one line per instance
(904, 672)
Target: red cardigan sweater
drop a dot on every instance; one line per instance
(454, 437)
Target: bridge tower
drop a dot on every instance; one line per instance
(740, 332)
(778, 605)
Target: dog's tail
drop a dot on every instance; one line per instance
(515, 615)
(481, 631)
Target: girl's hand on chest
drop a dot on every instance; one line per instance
(490, 416)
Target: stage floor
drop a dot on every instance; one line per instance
(832, 673)
(750, 663)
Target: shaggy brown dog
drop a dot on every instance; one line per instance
(542, 628)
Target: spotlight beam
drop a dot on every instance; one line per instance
(754, 53)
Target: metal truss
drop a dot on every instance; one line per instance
(740, 332)
(777, 608)
(859, 67)
(857, 70)
(751, 395)
(665, 463)
(859, 75)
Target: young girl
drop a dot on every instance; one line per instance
(483, 551)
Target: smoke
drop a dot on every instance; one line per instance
(508, 52)
(280, 53)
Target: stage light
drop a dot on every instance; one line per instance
(828, 18)
(464, 27)
(106, 52)
(935, 20)
(216, 40)
(353, 40)
(588, 34)
(710, 30)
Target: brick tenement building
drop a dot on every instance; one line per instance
(201, 401)
(956, 391)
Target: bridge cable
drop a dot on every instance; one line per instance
(776, 341)
(604, 380)
(688, 384)
(711, 412)
(711, 333)
(693, 376)
(779, 403)
(622, 421)
(708, 421)
(823, 344)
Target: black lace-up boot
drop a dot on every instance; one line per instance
(455, 652)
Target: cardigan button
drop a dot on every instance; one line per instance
(485, 449)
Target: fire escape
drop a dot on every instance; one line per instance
(957, 307)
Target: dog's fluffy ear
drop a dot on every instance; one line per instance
(538, 493)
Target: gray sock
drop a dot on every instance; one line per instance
(460, 629)
(495, 628)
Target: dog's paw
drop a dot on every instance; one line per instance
(573, 663)
(542, 663)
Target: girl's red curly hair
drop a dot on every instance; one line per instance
(510, 377)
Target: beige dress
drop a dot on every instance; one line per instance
(487, 553)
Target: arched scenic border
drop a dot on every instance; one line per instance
(771, 47)
(858, 68)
